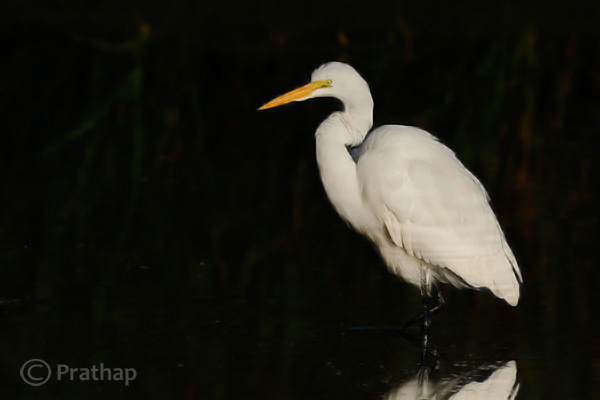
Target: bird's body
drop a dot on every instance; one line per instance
(408, 193)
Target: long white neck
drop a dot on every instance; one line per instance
(338, 169)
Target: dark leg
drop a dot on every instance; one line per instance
(424, 342)
(428, 311)
(428, 371)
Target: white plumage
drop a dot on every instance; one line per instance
(429, 216)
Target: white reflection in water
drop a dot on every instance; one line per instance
(492, 382)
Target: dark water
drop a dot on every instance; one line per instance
(155, 224)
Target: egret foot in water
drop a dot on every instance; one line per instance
(428, 310)
(433, 302)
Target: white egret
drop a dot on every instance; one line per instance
(408, 193)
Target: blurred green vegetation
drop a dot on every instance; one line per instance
(153, 218)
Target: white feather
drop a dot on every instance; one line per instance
(435, 209)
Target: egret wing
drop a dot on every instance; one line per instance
(435, 209)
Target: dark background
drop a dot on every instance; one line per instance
(152, 218)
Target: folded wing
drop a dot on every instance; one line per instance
(435, 209)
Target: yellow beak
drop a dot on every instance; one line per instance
(296, 94)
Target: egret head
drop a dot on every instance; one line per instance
(334, 79)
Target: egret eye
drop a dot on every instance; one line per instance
(328, 82)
